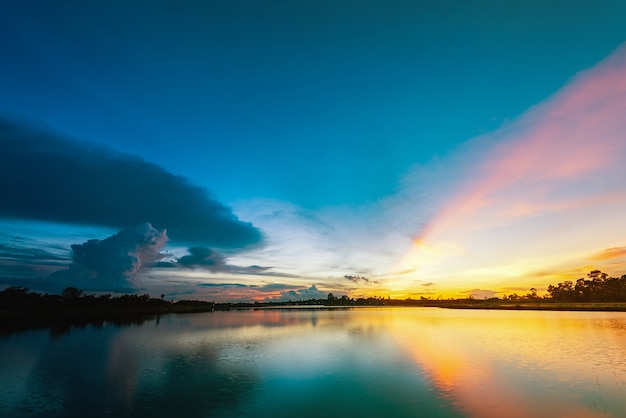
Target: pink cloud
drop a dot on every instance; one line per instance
(565, 151)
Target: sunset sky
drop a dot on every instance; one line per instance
(253, 150)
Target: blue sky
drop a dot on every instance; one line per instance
(302, 142)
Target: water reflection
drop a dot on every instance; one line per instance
(364, 362)
(522, 364)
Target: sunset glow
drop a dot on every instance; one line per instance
(313, 208)
(544, 195)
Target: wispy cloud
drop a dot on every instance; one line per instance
(22, 258)
(360, 280)
(28, 255)
(549, 159)
(549, 182)
(539, 194)
(222, 285)
(323, 244)
(609, 253)
(535, 194)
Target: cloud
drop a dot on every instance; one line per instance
(164, 265)
(361, 280)
(541, 188)
(62, 180)
(23, 258)
(35, 256)
(271, 287)
(574, 135)
(203, 257)
(233, 291)
(222, 285)
(264, 271)
(609, 253)
(320, 243)
(208, 259)
(112, 264)
(301, 294)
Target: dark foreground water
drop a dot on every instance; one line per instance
(415, 362)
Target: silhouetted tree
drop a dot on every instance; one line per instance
(532, 294)
(598, 287)
(563, 291)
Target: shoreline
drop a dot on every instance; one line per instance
(16, 320)
(557, 307)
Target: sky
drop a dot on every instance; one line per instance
(274, 150)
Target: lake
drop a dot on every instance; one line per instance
(363, 362)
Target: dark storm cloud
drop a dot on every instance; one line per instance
(205, 258)
(48, 177)
(112, 264)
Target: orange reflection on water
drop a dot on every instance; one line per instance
(516, 365)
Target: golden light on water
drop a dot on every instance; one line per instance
(478, 361)
(397, 362)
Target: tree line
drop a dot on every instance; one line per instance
(598, 287)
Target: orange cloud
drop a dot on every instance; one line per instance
(609, 253)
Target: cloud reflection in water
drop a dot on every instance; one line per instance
(367, 362)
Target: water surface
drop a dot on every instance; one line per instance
(414, 362)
